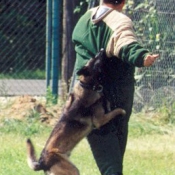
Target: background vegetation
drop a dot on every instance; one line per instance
(150, 148)
(23, 27)
(22, 32)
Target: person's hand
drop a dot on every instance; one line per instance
(150, 59)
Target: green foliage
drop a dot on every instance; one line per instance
(25, 74)
(147, 152)
(50, 97)
(148, 155)
(145, 19)
(155, 29)
(150, 145)
(84, 5)
(143, 124)
(149, 99)
(29, 126)
(167, 114)
(13, 155)
(22, 32)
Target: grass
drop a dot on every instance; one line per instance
(150, 155)
(150, 149)
(13, 135)
(13, 155)
(25, 74)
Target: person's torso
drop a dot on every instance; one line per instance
(90, 35)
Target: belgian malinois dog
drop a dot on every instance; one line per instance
(85, 109)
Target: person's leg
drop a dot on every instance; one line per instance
(108, 144)
(125, 101)
(106, 150)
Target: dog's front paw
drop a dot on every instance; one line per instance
(120, 111)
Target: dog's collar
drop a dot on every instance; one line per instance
(97, 88)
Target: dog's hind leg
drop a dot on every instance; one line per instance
(63, 166)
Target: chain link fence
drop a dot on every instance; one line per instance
(22, 49)
(154, 23)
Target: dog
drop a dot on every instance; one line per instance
(86, 109)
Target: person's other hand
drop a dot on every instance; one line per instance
(150, 59)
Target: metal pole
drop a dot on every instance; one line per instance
(48, 41)
(56, 45)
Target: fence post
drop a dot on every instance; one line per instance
(56, 45)
(48, 41)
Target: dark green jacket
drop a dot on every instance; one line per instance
(113, 31)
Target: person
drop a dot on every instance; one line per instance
(107, 27)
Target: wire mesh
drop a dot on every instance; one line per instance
(22, 49)
(154, 22)
(22, 46)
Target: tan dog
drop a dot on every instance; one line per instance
(85, 110)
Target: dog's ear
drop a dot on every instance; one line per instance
(83, 71)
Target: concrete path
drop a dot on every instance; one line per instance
(15, 87)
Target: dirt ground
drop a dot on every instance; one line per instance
(19, 107)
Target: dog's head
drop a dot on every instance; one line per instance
(95, 67)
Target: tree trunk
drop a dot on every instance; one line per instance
(68, 53)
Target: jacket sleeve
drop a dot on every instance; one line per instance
(133, 54)
(123, 42)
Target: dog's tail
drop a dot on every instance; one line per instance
(31, 157)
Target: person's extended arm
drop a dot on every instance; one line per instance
(135, 54)
(124, 45)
